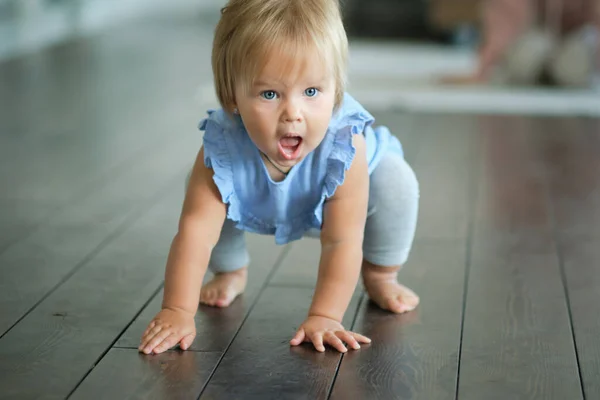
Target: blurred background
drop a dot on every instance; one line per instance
(496, 103)
(492, 56)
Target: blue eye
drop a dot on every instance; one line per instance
(311, 92)
(268, 95)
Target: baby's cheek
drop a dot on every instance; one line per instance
(321, 125)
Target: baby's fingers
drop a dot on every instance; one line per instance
(348, 338)
(186, 342)
(149, 335)
(156, 340)
(151, 325)
(299, 338)
(317, 340)
(166, 344)
(150, 332)
(360, 338)
(335, 342)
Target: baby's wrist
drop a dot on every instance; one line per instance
(324, 315)
(179, 310)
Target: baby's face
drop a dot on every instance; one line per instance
(288, 108)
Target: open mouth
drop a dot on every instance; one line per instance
(289, 147)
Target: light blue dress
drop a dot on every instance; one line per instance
(290, 208)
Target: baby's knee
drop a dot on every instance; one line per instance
(395, 175)
(408, 180)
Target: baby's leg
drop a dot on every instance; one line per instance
(229, 261)
(389, 233)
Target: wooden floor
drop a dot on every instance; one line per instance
(96, 136)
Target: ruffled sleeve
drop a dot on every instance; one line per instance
(218, 157)
(352, 114)
(351, 119)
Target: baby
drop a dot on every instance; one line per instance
(289, 154)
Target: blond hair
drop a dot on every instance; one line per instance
(249, 30)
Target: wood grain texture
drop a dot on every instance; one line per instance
(124, 373)
(76, 115)
(58, 342)
(216, 327)
(416, 355)
(571, 154)
(581, 256)
(301, 265)
(80, 152)
(261, 364)
(413, 355)
(571, 150)
(517, 340)
(60, 245)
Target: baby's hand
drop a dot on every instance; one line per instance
(168, 328)
(319, 330)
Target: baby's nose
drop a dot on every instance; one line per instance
(292, 112)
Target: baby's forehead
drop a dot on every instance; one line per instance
(287, 65)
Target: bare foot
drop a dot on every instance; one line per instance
(383, 288)
(224, 287)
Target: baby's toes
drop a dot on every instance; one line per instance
(395, 304)
(413, 302)
(409, 302)
(214, 296)
(206, 296)
(410, 298)
(224, 298)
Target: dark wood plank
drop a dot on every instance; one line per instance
(18, 218)
(58, 342)
(74, 116)
(580, 256)
(517, 340)
(301, 265)
(215, 327)
(414, 355)
(572, 152)
(61, 244)
(101, 144)
(261, 364)
(444, 166)
(124, 373)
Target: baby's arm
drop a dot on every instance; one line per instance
(199, 229)
(344, 218)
